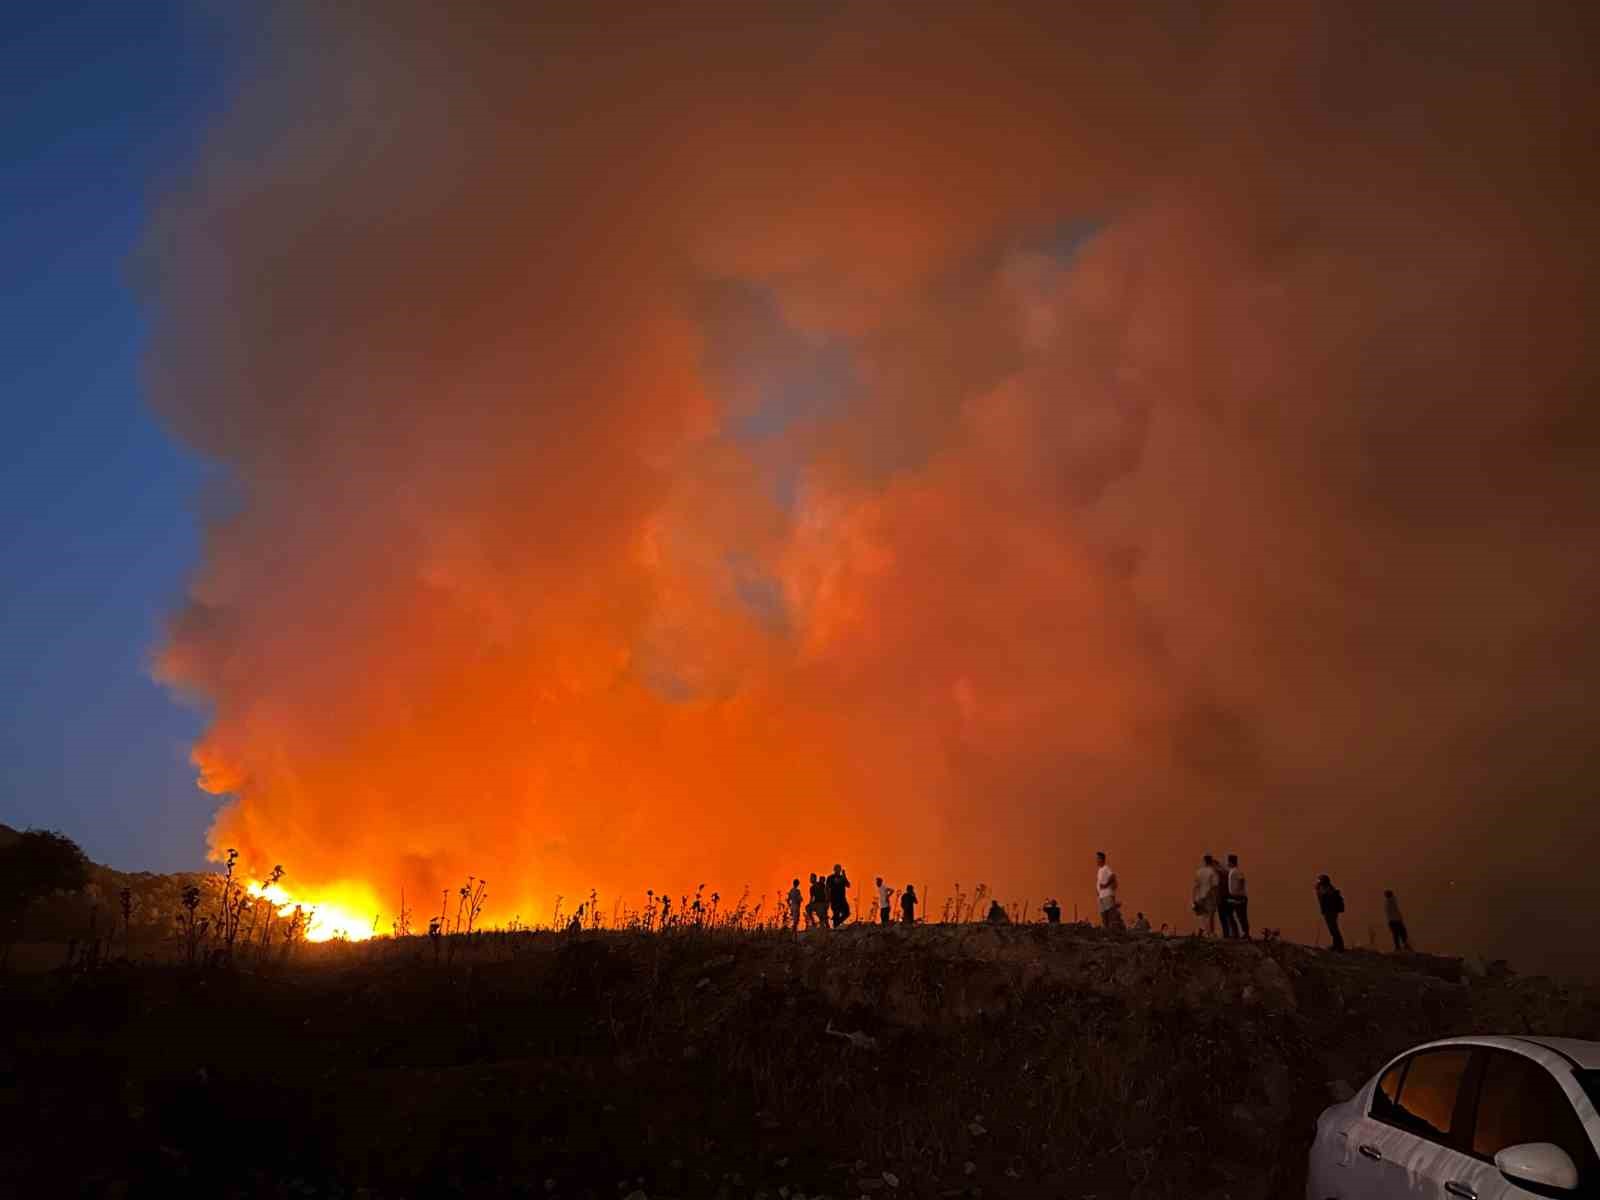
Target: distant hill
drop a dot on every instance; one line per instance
(157, 901)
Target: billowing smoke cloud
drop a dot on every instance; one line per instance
(712, 441)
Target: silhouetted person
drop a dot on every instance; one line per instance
(1105, 890)
(839, 895)
(1397, 923)
(1205, 894)
(885, 894)
(794, 906)
(576, 924)
(998, 915)
(908, 904)
(1237, 898)
(1331, 902)
(817, 910)
(1052, 911)
(1141, 923)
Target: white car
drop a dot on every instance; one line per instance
(1480, 1118)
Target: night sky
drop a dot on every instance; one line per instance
(97, 504)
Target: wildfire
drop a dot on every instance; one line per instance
(326, 919)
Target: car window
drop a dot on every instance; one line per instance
(1387, 1092)
(1521, 1102)
(1428, 1093)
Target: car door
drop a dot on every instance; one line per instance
(1408, 1142)
(1517, 1100)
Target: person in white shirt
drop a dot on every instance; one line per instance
(1205, 895)
(1105, 888)
(1238, 899)
(885, 894)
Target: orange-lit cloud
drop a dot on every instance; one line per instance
(949, 439)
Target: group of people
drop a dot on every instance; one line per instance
(1221, 896)
(1107, 901)
(1331, 902)
(829, 902)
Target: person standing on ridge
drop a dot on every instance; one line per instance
(885, 894)
(1105, 889)
(794, 906)
(1397, 923)
(1224, 910)
(1331, 902)
(1237, 899)
(1052, 911)
(838, 895)
(817, 910)
(1205, 895)
(908, 904)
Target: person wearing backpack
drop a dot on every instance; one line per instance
(1331, 901)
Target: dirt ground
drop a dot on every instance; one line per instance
(938, 1061)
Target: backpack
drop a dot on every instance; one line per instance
(1336, 901)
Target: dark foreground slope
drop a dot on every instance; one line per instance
(996, 1062)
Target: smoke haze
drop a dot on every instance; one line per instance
(712, 441)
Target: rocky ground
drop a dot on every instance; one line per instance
(940, 1061)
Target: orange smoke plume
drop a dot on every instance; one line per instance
(728, 440)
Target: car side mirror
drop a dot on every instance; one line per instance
(1538, 1163)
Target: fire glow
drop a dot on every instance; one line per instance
(326, 920)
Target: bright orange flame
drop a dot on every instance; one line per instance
(326, 919)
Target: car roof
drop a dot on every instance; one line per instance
(1585, 1055)
(1582, 1054)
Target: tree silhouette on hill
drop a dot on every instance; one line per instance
(38, 863)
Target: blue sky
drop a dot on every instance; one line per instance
(104, 102)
